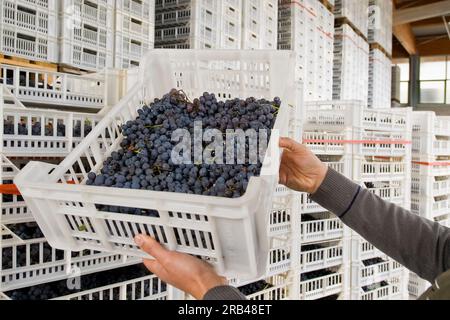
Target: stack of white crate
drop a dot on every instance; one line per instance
(134, 31)
(198, 24)
(325, 242)
(259, 24)
(380, 39)
(355, 12)
(28, 29)
(307, 27)
(47, 88)
(351, 66)
(380, 80)
(395, 86)
(380, 23)
(30, 133)
(430, 176)
(370, 147)
(86, 34)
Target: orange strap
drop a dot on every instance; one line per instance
(9, 189)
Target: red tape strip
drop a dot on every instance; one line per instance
(433, 164)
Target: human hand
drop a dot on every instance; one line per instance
(182, 271)
(300, 169)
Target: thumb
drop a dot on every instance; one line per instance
(152, 247)
(289, 144)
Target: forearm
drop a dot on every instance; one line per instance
(226, 293)
(420, 245)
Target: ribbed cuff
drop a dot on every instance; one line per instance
(224, 293)
(336, 194)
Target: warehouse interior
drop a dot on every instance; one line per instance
(91, 91)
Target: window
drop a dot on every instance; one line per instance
(435, 80)
(404, 81)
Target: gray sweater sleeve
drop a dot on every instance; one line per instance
(420, 245)
(226, 293)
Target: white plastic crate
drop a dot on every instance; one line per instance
(198, 24)
(427, 122)
(380, 80)
(364, 250)
(234, 235)
(281, 215)
(430, 207)
(388, 292)
(134, 31)
(278, 290)
(364, 143)
(426, 186)
(41, 133)
(326, 257)
(366, 275)
(61, 89)
(86, 35)
(341, 114)
(327, 227)
(351, 66)
(307, 27)
(390, 191)
(259, 24)
(430, 169)
(29, 29)
(13, 208)
(145, 288)
(35, 268)
(417, 286)
(356, 11)
(380, 23)
(369, 169)
(322, 287)
(431, 140)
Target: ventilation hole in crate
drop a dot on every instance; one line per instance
(115, 228)
(177, 236)
(69, 222)
(163, 233)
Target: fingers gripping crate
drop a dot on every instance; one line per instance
(232, 233)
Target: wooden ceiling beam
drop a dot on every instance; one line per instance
(405, 36)
(433, 47)
(427, 11)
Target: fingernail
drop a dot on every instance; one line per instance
(139, 240)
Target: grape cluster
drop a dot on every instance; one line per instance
(22, 129)
(255, 287)
(371, 262)
(144, 161)
(88, 282)
(27, 231)
(77, 129)
(34, 255)
(375, 286)
(315, 274)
